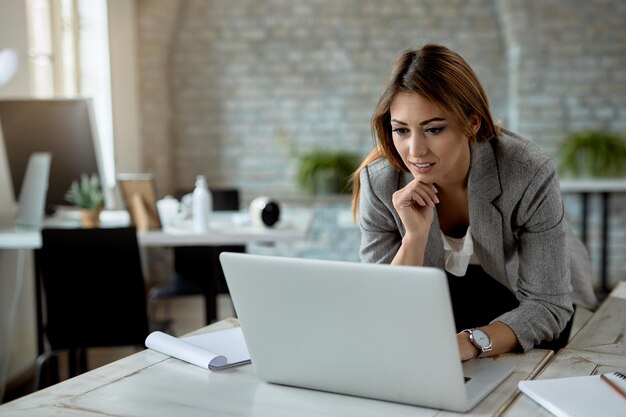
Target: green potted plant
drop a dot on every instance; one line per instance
(593, 154)
(326, 172)
(87, 194)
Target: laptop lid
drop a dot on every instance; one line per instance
(370, 330)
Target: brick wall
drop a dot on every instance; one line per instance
(237, 89)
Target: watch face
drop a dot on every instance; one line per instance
(481, 338)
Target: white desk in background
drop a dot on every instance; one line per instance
(227, 228)
(151, 384)
(605, 188)
(232, 228)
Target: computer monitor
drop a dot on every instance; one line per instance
(63, 127)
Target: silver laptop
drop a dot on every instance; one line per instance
(369, 330)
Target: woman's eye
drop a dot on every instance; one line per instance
(400, 130)
(434, 130)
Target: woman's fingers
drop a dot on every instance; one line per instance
(430, 190)
(427, 191)
(415, 205)
(423, 194)
(416, 193)
(418, 198)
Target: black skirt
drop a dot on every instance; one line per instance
(477, 299)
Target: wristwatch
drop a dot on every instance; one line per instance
(480, 339)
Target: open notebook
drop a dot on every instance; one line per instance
(376, 331)
(580, 396)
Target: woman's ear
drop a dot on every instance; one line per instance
(475, 123)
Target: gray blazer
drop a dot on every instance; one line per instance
(519, 227)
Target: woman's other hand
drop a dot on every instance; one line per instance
(467, 349)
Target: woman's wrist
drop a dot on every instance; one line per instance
(411, 251)
(502, 338)
(415, 240)
(466, 347)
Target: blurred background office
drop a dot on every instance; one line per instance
(241, 91)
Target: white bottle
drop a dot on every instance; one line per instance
(202, 205)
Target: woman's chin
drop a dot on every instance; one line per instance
(423, 177)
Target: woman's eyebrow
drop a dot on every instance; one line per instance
(434, 119)
(425, 122)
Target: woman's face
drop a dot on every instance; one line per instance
(431, 144)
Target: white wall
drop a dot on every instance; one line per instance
(17, 320)
(14, 34)
(124, 86)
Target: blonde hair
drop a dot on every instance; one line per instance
(443, 77)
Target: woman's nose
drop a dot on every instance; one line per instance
(418, 146)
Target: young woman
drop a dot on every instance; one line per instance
(446, 187)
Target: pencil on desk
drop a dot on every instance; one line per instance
(606, 378)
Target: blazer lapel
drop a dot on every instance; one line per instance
(434, 246)
(485, 216)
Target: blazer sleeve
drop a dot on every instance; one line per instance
(380, 237)
(543, 286)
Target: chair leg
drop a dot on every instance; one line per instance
(77, 361)
(46, 370)
(164, 325)
(72, 362)
(210, 307)
(82, 361)
(152, 304)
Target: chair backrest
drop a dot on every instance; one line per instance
(94, 288)
(224, 199)
(198, 263)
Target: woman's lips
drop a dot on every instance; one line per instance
(422, 167)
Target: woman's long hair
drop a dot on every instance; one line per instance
(443, 77)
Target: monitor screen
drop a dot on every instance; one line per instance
(62, 127)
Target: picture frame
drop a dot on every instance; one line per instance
(139, 194)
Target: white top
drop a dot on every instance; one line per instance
(459, 253)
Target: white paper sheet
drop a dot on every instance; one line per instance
(215, 350)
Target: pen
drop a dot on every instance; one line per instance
(613, 385)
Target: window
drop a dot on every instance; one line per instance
(69, 56)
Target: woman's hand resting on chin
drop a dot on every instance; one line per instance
(415, 205)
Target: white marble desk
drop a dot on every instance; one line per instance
(605, 332)
(567, 363)
(598, 347)
(151, 384)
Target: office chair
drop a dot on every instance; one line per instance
(197, 269)
(94, 295)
